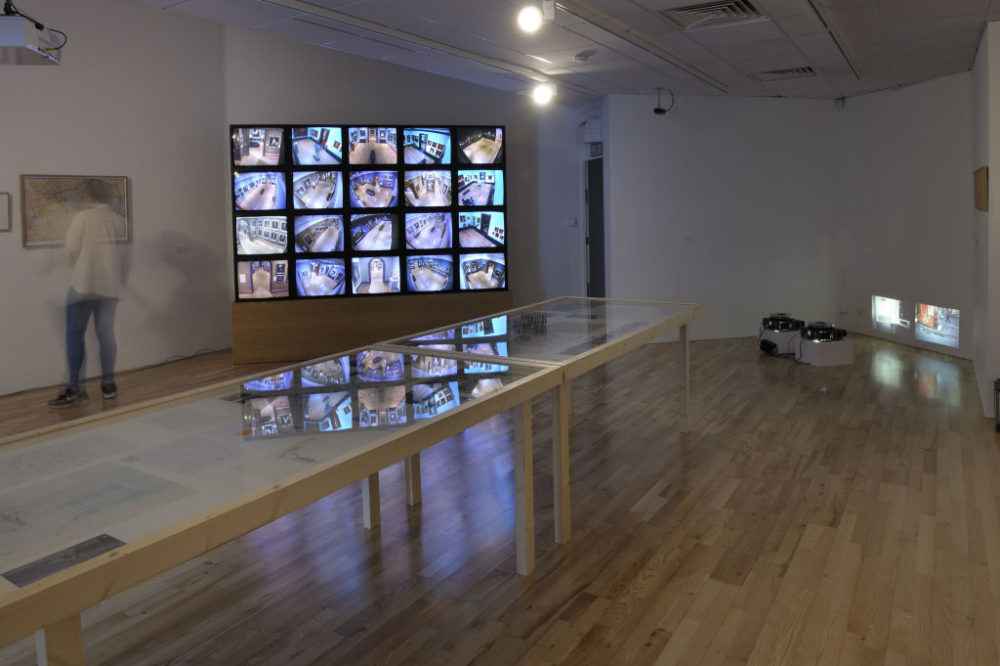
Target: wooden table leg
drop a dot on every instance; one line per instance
(569, 397)
(370, 501)
(63, 644)
(685, 379)
(560, 461)
(413, 496)
(524, 490)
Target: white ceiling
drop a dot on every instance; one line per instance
(854, 46)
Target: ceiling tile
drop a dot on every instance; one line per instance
(901, 11)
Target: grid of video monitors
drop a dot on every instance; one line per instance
(332, 211)
(377, 388)
(929, 323)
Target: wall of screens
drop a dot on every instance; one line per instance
(352, 210)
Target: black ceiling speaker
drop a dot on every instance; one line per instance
(659, 110)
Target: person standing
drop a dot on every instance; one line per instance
(94, 288)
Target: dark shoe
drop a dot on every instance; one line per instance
(109, 390)
(69, 398)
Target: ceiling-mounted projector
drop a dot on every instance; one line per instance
(22, 42)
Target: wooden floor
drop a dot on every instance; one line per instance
(842, 515)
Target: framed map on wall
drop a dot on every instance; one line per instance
(48, 204)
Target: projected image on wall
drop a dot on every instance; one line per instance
(936, 324)
(263, 190)
(480, 145)
(427, 189)
(371, 145)
(261, 235)
(482, 271)
(327, 373)
(317, 145)
(431, 272)
(373, 232)
(320, 277)
(888, 315)
(262, 279)
(432, 399)
(484, 229)
(480, 188)
(257, 146)
(375, 275)
(426, 145)
(318, 189)
(319, 233)
(326, 412)
(373, 189)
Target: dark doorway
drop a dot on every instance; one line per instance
(595, 228)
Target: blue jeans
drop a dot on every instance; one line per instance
(78, 311)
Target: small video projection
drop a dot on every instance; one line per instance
(257, 146)
(480, 188)
(480, 145)
(428, 231)
(888, 315)
(375, 365)
(261, 235)
(279, 382)
(373, 189)
(484, 229)
(317, 145)
(262, 190)
(431, 272)
(373, 232)
(427, 189)
(268, 417)
(482, 271)
(423, 365)
(320, 277)
(447, 334)
(426, 145)
(319, 233)
(382, 407)
(936, 324)
(486, 328)
(375, 275)
(371, 145)
(334, 372)
(432, 399)
(327, 412)
(262, 279)
(318, 189)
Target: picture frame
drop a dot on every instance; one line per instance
(5, 211)
(48, 204)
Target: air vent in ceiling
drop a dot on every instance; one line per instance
(718, 14)
(784, 74)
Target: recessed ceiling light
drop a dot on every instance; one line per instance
(529, 19)
(543, 93)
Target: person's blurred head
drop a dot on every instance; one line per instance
(97, 191)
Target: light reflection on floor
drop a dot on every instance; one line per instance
(935, 379)
(887, 368)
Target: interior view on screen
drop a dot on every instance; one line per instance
(371, 145)
(326, 373)
(373, 189)
(480, 188)
(428, 231)
(268, 417)
(278, 382)
(431, 399)
(264, 190)
(262, 279)
(375, 275)
(427, 189)
(429, 272)
(320, 277)
(326, 412)
(317, 145)
(376, 365)
(482, 271)
(319, 233)
(498, 348)
(426, 145)
(485, 229)
(422, 365)
(486, 327)
(447, 334)
(318, 189)
(382, 406)
(482, 145)
(257, 146)
(936, 324)
(373, 232)
(261, 235)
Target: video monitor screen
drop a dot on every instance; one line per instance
(426, 145)
(486, 328)
(268, 417)
(373, 189)
(262, 279)
(498, 348)
(279, 382)
(259, 190)
(317, 145)
(318, 189)
(482, 271)
(376, 365)
(381, 407)
(373, 232)
(432, 399)
(261, 235)
(375, 275)
(423, 365)
(320, 277)
(888, 315)
(334, 372)
(258, 146)
(485, 229)
(429, 272)
(480, 188)
(427, 189)
(936, 324)
(319, 233)
(327, 412)
(447, 334)
(480, 145)
(371, 145)
(428, 231)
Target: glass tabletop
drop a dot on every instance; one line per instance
(554, 332)
(99, 485)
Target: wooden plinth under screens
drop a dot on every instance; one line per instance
(297, 330)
